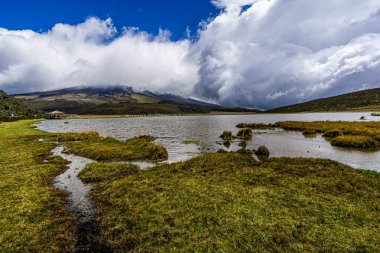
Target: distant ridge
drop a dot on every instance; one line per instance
(13, 109)
(366, 100)
(118, 100)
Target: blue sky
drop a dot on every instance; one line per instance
(148, 15)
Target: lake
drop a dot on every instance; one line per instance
(187, 136)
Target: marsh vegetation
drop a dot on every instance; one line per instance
(231, 203)
(218, 202)
(363, 135)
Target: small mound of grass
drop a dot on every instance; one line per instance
(262, 151)
(331, 133)
(109, 149)
(226, 135)
(245, 134)
(363, 142)
(375, 114)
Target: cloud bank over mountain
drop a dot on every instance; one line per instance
(254, 53)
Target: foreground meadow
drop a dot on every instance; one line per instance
(213, 203)
(33, 216)
(232, 203)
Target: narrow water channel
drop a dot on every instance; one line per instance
(80, 203)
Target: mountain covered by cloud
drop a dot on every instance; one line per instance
(254, 53)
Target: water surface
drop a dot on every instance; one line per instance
(172, 132)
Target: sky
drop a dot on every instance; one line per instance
(251, 53)
(148, 15)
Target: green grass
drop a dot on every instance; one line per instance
(245, 134)
(108, 149)
(230, 203)
(226, 135)
(366, 100)
(363, 135)
(33, 216)
(355, 141)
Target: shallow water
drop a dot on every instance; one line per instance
(79, 199)
(172, 132)
(80, 203)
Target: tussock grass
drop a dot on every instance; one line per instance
(33, 215)
(226, 135)
(245, 134)
(76, 136)
(346, 131)
(354, 141)
(262, 151)
(230, 203)
(109, 149)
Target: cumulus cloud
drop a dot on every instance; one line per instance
(281, 52)
(255, 53)
(93, 53)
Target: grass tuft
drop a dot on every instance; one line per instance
(245, 134)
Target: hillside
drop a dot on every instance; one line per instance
(118, 100)
(366, 100)
(13, 109)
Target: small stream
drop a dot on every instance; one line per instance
(80, 203)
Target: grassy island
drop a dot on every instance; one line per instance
(363, 135)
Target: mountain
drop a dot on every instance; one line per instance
(366, 100)
(118, 100)
(13, 109)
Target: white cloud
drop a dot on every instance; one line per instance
(91, 54)
(279, 52)
(270, 53)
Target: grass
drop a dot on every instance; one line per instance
(230, 203)
(262, 151)
(366, 100)
(245, 134)
(355, 141)
(364, 135)
(33, 215)
(226, 135)
(108, 149)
